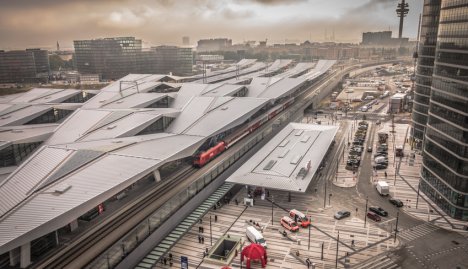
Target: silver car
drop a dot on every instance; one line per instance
(342, 214)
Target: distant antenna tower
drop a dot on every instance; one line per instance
(58, 46)
(402, 11)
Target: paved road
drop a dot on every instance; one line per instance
(423, 244)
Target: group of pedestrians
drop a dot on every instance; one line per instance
(165, 260)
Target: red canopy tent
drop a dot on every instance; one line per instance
(254, 252)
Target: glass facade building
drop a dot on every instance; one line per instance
(172, 59)
(444, 174)
(113, 58)
(426, 55)
(23, 66)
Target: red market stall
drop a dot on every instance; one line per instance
(254, 252)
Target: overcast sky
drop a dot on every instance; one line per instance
(40, 23)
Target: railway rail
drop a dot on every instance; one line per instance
(67, 257)
(122, 221)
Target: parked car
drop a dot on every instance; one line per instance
(379, 211)
(255, 236)
(373, 216)
(396, 202)
(299, 218)
(380, 166)
(289, 224)
(379, 154)
(381, 159)
(342, 214)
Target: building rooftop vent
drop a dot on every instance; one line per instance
(283, 154)
(62, 188)
(269, 165)
(284, 143)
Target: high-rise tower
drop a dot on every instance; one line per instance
(444, 174)
(402, 11)
(425, 66)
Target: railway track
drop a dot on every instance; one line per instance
(106, 233)
(67, 257)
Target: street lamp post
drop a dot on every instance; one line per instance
(211, 234)
(337, 241)
(321, 256)
(417, 197)
(337, 163)
(325, 196)
(308, 246)
(271, 209)
(396, 226)
(365, 212)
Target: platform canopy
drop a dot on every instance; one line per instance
(290, 160)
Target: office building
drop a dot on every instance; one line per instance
(217, 44)
(376, 38)
(174, 60)
(112, 58)
(423, 80)
(444, 174)
(382, 39)
(20, 66)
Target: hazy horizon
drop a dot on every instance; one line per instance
(29, 23)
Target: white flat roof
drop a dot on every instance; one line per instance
(282, 163)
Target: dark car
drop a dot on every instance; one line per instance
(380, 166)
(382, 149)
(396, 202)
(385, 146)
(342, 214)
(379, 211)
(385, 154)
(373, 216)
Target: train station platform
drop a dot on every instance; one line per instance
(290, 160)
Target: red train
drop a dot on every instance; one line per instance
(206, 156)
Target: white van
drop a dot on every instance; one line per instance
(383, 188)
(255, 236)
(364, 109)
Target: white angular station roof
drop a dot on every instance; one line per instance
(96, 152)
(25, 134)
(320, 68)
(282, 163)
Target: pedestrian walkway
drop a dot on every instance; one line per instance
(233, 219)
(379, 262)
(405, 184)
(417, 231)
